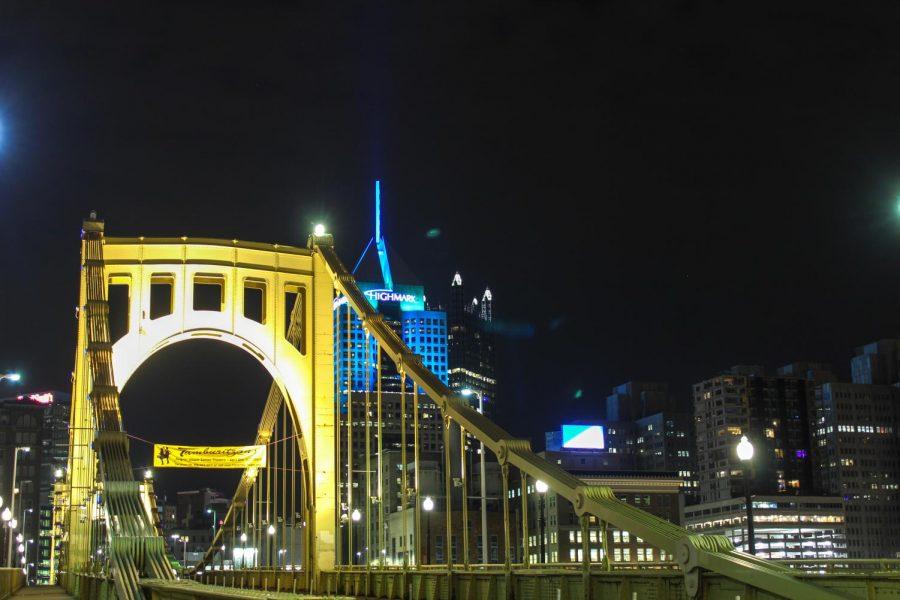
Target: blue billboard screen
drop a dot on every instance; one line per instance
(583, 437)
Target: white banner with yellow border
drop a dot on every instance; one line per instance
(208, 457)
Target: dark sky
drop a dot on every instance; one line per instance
(653, 189)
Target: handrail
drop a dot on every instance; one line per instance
(692, 551)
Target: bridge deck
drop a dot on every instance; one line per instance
(162, 588)
(42, 592)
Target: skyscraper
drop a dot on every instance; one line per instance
(772, 412)
(855, 432)
(470, 341)
(404, 308)
(39, 422)
(877, 363)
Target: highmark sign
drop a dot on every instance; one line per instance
(208, 457)
(409, 297)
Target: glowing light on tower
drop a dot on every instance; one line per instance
(379, 241)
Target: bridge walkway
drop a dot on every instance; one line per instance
(42, 592)
(184, 589)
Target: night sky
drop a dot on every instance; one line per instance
(652, 190)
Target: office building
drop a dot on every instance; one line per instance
(855, 434)
(877, 363)
(635, 400)
(664, 442)
(773, 413)
(471, 345)
(40, 422)
(785, 527)
(390, 289)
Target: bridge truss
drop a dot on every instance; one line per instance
(313, 520)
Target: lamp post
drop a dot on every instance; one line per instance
(243, 549)
(745, 454)
(12, 502)
(541, 488)
(212, 512)
(270, 545)
(483, 478)
(355, 517)
(428, 506)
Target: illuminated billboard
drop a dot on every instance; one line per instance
(583, 437)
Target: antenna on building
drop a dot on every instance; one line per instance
(379, 241)
(380, 246)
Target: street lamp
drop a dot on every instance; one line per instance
(483, 478)
(12, 501)
(428, 506)
(541, 488)
(243, 549)
(11, 376)
(355, 517)
(745, 454)
(319, 230)
(212, 512)
(148, 474)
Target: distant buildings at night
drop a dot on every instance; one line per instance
(457, 346)
(471, 345)
(825, 475)
(38, 421)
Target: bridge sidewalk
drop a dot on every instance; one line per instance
(42, 592)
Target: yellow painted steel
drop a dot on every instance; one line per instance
(303, 371)
(304, 375)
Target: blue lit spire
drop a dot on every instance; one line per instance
(379, 241)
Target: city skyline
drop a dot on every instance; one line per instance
(668, 259)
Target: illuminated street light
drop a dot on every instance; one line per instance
(243, 537)
(58, 473)
(356, 515)
(428, 506)
(271, 530)
(541, 488)
(319, 230)
(745, 449)
(20, 538)
(148, 474)
(745, 454)
(11, 376)
(6, 515)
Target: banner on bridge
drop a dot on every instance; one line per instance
(208, 457)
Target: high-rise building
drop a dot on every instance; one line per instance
(404, 307)
(855, 432)
(637, 399)
(470, 339)
(39, 422)
(773, 413)
(877, 363)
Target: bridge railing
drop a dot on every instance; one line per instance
(692, 552)
(386, 437)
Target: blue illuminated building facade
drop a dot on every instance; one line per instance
(403, 307)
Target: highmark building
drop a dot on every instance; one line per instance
(404, 308)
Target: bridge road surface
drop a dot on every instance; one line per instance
(42, 592)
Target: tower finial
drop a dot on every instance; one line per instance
(377, 211)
